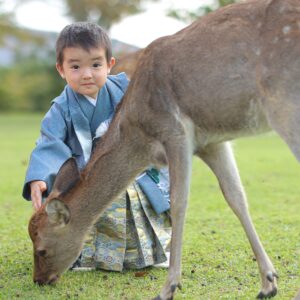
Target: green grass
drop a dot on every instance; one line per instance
(217, 259)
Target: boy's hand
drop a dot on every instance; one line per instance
(37, 188)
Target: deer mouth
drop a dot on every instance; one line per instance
(52, 279)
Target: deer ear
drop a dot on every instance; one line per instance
(58, 212)
(67, 176)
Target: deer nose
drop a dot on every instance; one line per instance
(50, 280)
(39, 281)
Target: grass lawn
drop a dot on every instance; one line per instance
(217, 259)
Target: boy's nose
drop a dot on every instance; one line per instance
(87, 73)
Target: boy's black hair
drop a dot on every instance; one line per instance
(85, 35)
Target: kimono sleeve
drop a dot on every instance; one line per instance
(50, 151)
(120, 80)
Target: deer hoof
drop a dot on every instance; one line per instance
(271, 294)
(159, 298)
(168, 292)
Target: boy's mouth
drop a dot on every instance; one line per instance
(88, 84)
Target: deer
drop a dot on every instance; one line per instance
(233, 73)
(127, 63)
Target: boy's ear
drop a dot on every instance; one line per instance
(60, 70)
(68, 175)
(111, 63)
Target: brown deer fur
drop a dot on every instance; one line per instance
(233, 73)
(127, 63)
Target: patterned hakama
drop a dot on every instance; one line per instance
(128, 235)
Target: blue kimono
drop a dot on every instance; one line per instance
(68, 130)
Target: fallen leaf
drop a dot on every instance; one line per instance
(140, 274)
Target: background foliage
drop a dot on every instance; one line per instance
(30, 81)
(190, 16)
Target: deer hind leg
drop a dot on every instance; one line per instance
(221, 161)
(179, 155)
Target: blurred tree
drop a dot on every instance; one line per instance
(190, 16)
(8, 27)
(31, 82)
(5, 21)
(29, 85)
(103, 12)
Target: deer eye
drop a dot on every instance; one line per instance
(41, 252)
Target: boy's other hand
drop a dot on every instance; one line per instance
(37, 188)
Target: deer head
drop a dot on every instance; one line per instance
(56, 245)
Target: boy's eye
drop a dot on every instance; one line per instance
(96, 65)
(75, 67)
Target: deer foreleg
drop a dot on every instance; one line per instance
(180, 159)
(221, 161)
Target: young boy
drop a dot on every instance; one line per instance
(130, 234)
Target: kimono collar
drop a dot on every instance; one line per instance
(108, 98)
(80, 123)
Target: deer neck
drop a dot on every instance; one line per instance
(116, 161)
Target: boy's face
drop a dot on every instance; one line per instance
(85, 71)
